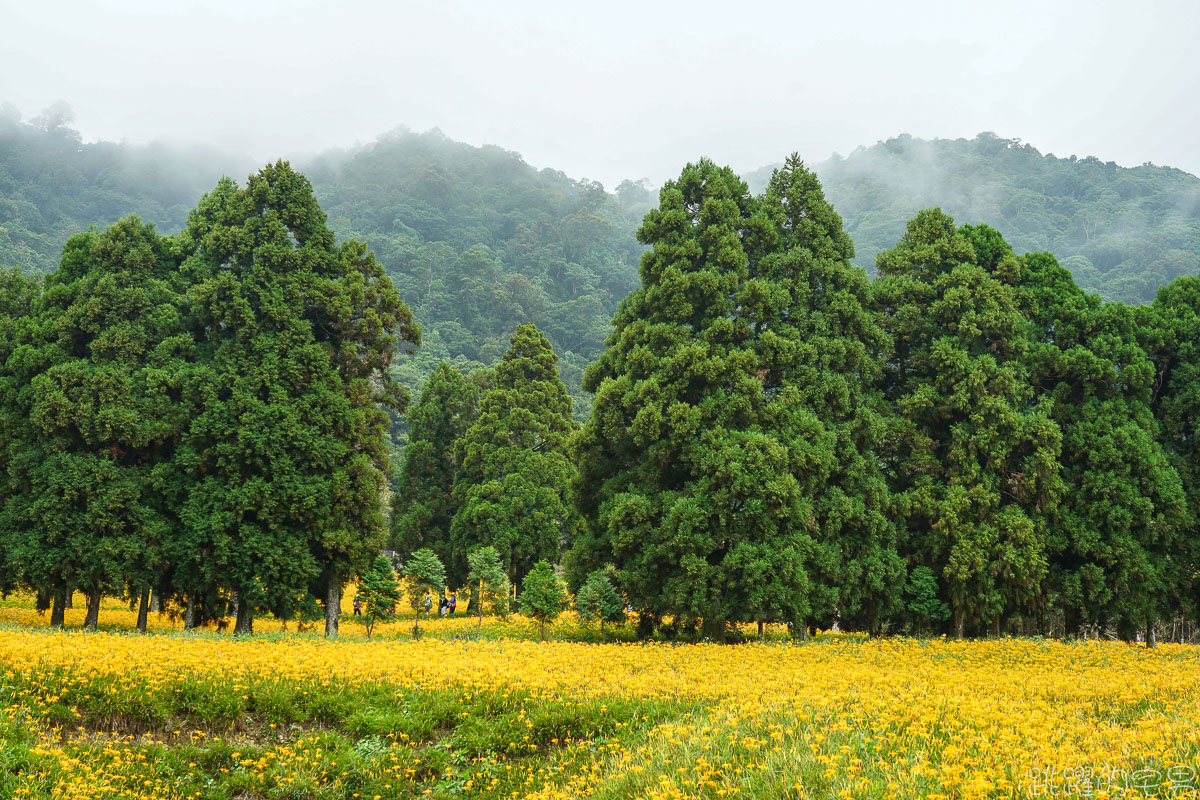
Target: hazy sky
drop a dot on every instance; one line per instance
(616, 89)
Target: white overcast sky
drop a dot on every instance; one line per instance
(616, 89)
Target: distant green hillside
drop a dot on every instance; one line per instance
(476, 240)
(53, 186)
(1122, 232)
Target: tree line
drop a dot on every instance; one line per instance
(969, 443)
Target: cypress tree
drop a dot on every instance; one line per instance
(285, 450)
(513, 469)
(1118, 527)
(972, 454)
(1170, 333)
(815, 328)
(424, 503)
(103, 406)
(704, 461)
(19, 294)
(359, 319)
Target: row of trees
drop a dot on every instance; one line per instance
(202, 415)
(970, 442)
(543, 594)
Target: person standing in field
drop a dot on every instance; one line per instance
(453, 603)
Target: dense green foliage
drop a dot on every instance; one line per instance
(1122, 232)
(543, 596)
(101, 362)
(478, 242)
(974, 441)
(973, 459)
(424, 503)
(727, 469)
(1032, 442)
(53, 185)
(513, 470)
(203, 415)
(287, 445)
(474, 239)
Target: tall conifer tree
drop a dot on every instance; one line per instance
(286, 449)
(816, 329)
(424, 503)
(514, 473)
(1117, 531)
(974, 458)
(105, 414)
(19, 295)
(1170, 333)
(723, 425)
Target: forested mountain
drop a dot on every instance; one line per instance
(476, 240)
(52, 185)
(1122, 232)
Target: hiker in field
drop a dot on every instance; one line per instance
(453, 603)
(428, 602)
(357, 607)
(442, 605)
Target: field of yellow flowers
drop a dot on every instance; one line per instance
(111, 714)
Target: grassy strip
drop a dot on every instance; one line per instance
(193, 735)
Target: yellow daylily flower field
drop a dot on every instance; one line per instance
(112, 714)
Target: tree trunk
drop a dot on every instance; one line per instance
(69, 603)
(189, 615)
(93, 610)
(155, 602)
(713, 630)
(133, 602)
(43, 601)
(231, 608)
(333, 607)
(143, 610)
(1151, 641)
(958, 621)
(57, 612)
(996, 627)
(245, 620)
(760, 629)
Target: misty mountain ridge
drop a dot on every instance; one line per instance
(478, 241)
(1121, 231)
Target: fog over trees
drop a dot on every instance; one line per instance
(934, 385)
